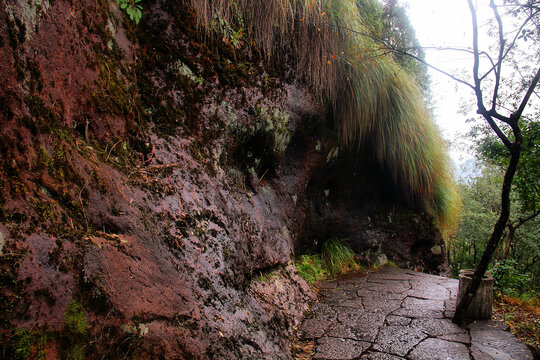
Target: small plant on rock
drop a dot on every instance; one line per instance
(335, 258)
(338, 257)
(312, 268)
(132, 7)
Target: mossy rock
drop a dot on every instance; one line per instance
(75, 321)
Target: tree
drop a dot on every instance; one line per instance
(526, 181)
(516, 268)
(480, 198)
(389, 24)
(498, 115)
(502, 87)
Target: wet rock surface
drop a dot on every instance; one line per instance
(401, 314)
(166, 191)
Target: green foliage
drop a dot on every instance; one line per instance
(312, 268)
(76, 331)
(371, 15)
(492, 151)
(375, 102)
(338, 257)
(480, 209)
(265, 276)
(519, 273)
(387, 22)
(508, 279)
(132, 7)
(229, 34)
(21, 345)
(76, 352)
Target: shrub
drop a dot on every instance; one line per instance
(508, 280)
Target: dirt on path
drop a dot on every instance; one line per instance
(395, 314)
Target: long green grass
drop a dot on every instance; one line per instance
(373, 100)
(312, 268)
(336, 257)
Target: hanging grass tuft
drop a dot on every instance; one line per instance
(373, 100)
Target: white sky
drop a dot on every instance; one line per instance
(446, 23)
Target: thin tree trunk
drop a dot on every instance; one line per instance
(496, 255)
(514, 147)
(496, 234)
(512, 231)
(509, 238)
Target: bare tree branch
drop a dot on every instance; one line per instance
(501, 52)
(500, 134)
(466, 50)
(455, 78)
(395, 50)
(528, 218)
(515, 116)
(496, 115)
(476, 65)
(478, 84)
(511, 46)
(513, 43)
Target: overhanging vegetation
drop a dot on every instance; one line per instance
(374, 100)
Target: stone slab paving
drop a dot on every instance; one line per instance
(394, 314)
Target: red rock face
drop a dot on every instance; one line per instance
(153, 180)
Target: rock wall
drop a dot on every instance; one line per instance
(156, 186)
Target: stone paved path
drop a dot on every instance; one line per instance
(401, 314)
